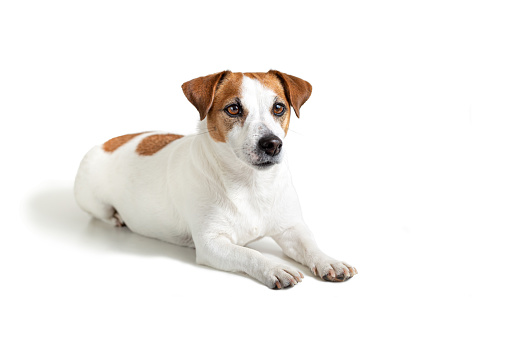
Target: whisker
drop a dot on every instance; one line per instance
(296, 132)
(195, 135)
(206, 129)
(203, 132)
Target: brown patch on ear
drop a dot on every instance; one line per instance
(154, 143)
(297, 90)
(201, 91)
(112, 144)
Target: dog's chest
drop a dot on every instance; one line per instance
(253, 215)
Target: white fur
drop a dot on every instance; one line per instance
(205, 194)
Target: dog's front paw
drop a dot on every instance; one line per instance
(281, 276)
(333, 270)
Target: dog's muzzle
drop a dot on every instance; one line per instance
(269, 147)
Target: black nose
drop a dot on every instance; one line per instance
(270, 144)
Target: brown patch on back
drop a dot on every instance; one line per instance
(154, 143)
(112, 144)
(218, 122)
(272, 82)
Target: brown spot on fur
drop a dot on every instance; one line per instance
(201, 91)
(272, 82)
(112, 144)
(154, 143)
(297, 90)
(218, 122)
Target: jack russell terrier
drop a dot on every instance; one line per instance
(215, 191)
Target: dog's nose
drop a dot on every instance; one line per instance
(270, 144)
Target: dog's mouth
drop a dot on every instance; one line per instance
(265, 164)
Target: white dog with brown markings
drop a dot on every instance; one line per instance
(215, 191)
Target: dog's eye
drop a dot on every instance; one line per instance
(233, 109)
(278, 109)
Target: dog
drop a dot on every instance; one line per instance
(216, 190)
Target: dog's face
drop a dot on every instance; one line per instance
(250, 112)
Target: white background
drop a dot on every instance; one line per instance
(400, 159)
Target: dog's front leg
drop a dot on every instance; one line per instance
(219, 252)
(298, 243)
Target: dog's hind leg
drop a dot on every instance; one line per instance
(96, 208)
(119, 222)
(91, 186)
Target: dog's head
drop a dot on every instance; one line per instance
(250, 112)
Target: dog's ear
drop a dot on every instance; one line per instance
(297, 91)
(200, 91)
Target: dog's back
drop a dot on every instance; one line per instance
(125, 176)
